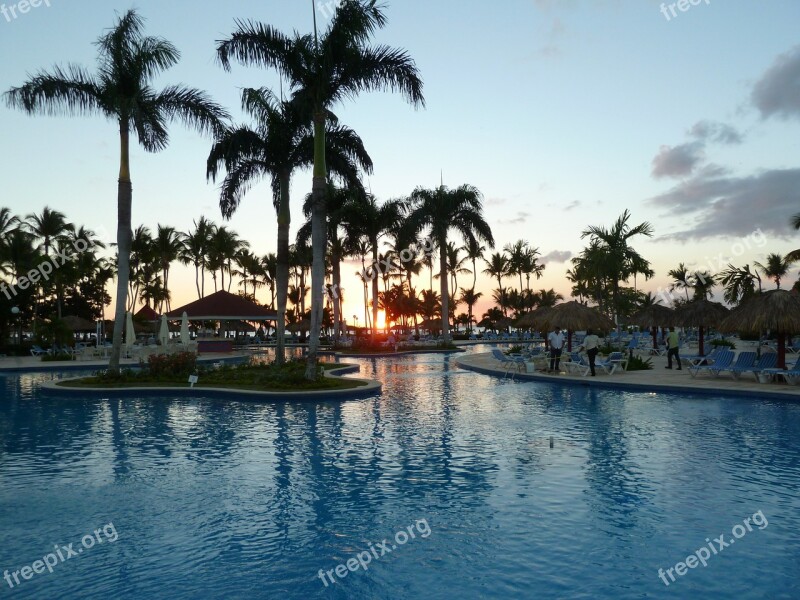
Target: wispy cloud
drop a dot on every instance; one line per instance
(521, 217)
(777, 93)
(678, 161)
(721, 205)
(713, 131)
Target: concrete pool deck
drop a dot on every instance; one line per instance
(658, 379)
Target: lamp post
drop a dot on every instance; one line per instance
(355, 318)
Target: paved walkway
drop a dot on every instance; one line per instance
(35, 363)
(657, 379)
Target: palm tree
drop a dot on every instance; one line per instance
(739, 283)
(281, 142)
(474, 251)
(195, 251)
(48, 227)
(168, 247)
(702, 282)
(620, 260)
(441, 210)
(470, 297)
(497, 266)
(367, 219)
(269, 271)
(680, 279)
(122, 91)
(322, 71)
(516, 257)
(530, 266)
(777, 267)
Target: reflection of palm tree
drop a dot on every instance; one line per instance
(122, 92)
(323, 70)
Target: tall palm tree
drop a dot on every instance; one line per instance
(739, 283)
(470, 297)
(195, 251)
(516, 258)
(497, 266)
(530, 266)
(680, 279)
(474, 251)
(776, 268)
(281, 142)
(167, 246)
(371, 221)
(441, 210)
(620, 261)
(128, 63)
(322, 71)
(269, 271)
(49, 226)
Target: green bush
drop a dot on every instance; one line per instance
(516, 349)
(638, 363)
(726, 343)
(181, 364)
(54, 357)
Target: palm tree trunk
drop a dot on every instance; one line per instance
(337, 303)
(124, 235)
(319, 240)
(197, 279)
(374, 290)
(282, 271)
(445, 292)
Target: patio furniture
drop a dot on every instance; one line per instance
(744, 362)
(721, 362)
(614, 360)
(508, 361)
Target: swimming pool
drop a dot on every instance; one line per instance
(486, 489)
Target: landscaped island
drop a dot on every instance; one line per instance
(173, 371)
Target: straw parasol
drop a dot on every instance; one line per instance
(163, 331)
(700, 313)
(776, 310)
(653, 317)
(534, 318)
(574, 316)
(130, 332)
(184, 329)
(79, 324)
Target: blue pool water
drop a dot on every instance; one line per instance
(205, 498)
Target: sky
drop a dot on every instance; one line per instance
(564, 113)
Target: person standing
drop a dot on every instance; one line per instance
(673, 343)
(556, 341)
(591, 344)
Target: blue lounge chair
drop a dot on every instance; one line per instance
(508, 361)
(697, 359)
(721, 362)
(578, 364)
(614, 360)
(791, 375)
(745, 362)
(38, 350)
(765, 364)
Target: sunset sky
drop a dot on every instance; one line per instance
(562, 112)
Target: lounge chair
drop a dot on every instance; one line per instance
(721, 361)
(614, 360)
(577, 364)
(508, 361)
(745, 362)
(697, 359)
(764, 366)
(791, 374)
(38, 350)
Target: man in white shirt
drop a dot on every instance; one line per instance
(556, 341)
(590, 344)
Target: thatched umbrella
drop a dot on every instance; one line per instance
(776, 310)
(700, 313)
(574, 316)
(534, 318)
(653, 317)
(79, 324)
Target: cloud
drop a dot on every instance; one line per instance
(712, 131)
(777, 93)
(519, 219)
(678, 161)
(557, 256)
(722, 206)
(571, 205)
(495, 201)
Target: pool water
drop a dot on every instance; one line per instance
(481, 487)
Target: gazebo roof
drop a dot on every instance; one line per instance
(223, 306)
(146, 313)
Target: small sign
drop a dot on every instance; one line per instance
(192, 380)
